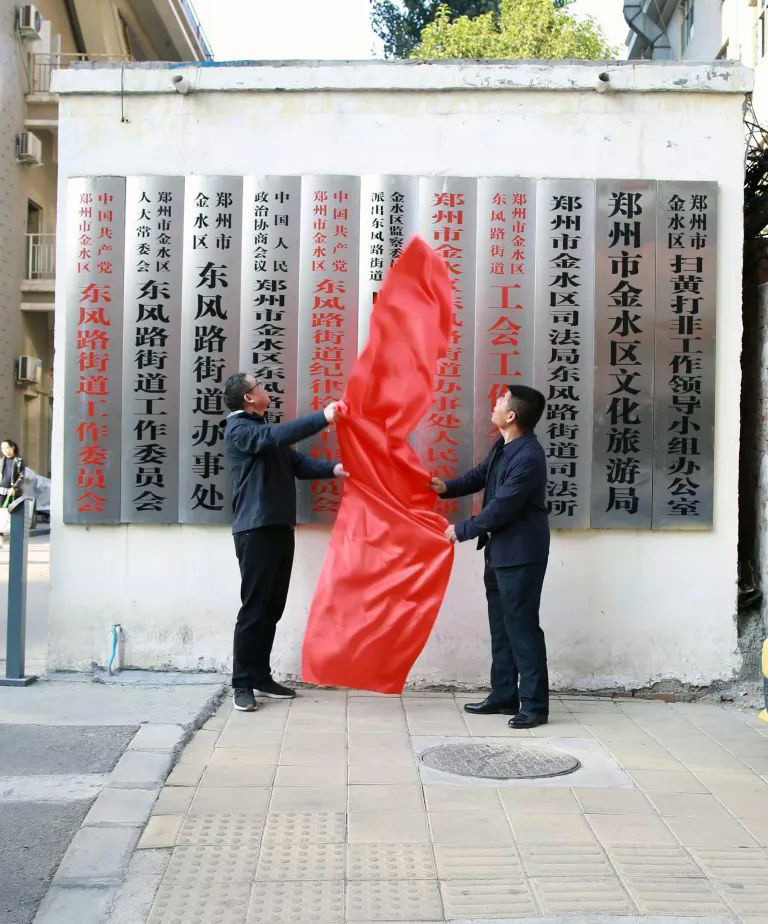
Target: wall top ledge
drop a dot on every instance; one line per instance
(374, 76)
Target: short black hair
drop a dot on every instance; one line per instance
(235, 389)
(14, 446)
(528, 405)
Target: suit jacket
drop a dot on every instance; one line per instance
(263, 467)
(515, 521)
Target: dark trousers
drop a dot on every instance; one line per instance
(265, 556)
(518, 649)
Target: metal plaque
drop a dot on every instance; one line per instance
(270, 291)
(154, 207)
(95, 225)
(564, 354)
(210, 297)
(602, 294)
(684, 403)
(328, 294)
(447, 222)
(388, 220)
(506, 234)
(625, 295)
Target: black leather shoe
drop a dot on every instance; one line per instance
(528, 719)
(491, 707)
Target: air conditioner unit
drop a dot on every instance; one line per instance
(28, 22)
(29, 148)
(29, 370)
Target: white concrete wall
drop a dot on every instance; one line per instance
(620, 608)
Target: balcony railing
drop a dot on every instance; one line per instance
(197, 28)
(41, 256)
(42, 65)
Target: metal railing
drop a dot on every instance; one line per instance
(42, 65)
(41, 256)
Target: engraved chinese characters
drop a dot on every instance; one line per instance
(328, 292)
(564, 343)
(150, 448)
(209, 343)
(268, 327)
(686, 255)
(447, 222)
(625, 296)
(506, 224)
(388, 220)
(602, 294)
(95, 227)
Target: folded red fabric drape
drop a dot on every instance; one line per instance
(388, 562)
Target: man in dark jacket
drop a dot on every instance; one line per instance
(263, 469)
(513, 528)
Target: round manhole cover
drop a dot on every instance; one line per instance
(499, 761)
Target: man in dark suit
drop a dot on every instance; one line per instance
(263, 468)
(513, 529)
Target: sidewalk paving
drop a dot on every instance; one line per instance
(70, 739)
(318, 811)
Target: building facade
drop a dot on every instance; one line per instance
(702, 30)
(34, 41)
(624, 605)
(736, 30)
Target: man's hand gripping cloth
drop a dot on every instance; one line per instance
(388, 562)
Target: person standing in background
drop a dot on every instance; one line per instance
(12, 474)
(13, 471)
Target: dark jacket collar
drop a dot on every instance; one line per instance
(512, 448)
(249, 415)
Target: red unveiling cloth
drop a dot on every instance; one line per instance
(388, 562)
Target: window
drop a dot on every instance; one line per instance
(34, 218)
(33, 239)
(686, 29)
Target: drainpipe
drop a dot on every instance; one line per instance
(648, 29)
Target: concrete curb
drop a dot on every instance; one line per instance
(598, 918)
(99, 857)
